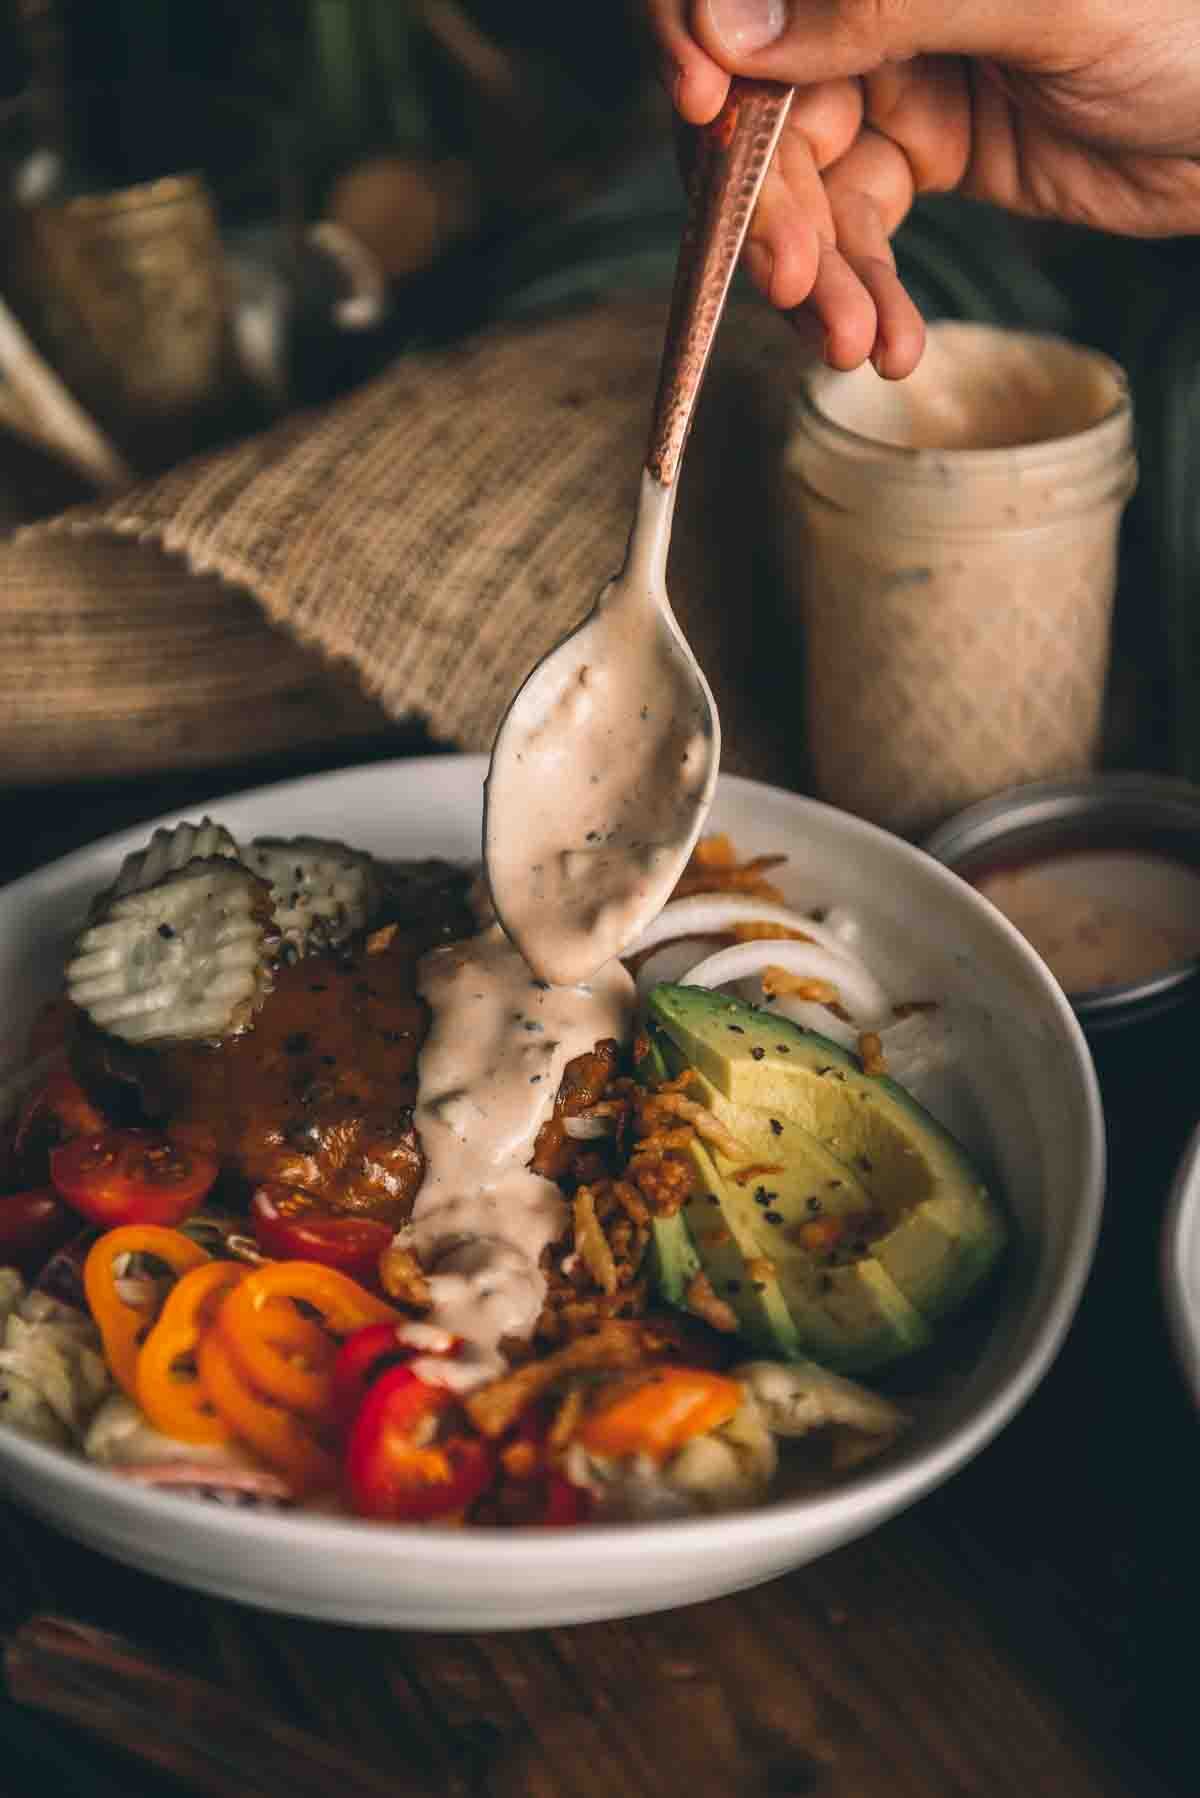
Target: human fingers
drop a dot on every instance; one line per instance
(792, 218)
(696, 84)
(793, 255)
(863, 244)
(806, 41)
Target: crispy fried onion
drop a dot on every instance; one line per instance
(614, 1347)
(714, 868)
(778, 983)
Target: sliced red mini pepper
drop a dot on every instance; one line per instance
(535, 1491)
(371, 1351)
(398, 1467)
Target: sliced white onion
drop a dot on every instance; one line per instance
(859, 992)
(811, 1016)
(844, 926)
(672, 960)
(715, 914)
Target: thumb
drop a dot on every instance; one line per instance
(808, 41)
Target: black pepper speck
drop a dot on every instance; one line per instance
(757, 1053)
(776, 1127)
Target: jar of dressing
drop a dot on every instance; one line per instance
(952, 541)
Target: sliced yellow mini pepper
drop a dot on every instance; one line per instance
(123, 1326)
(275, 1434)
(249, 1323)
(171, 1395)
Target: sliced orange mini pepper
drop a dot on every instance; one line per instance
(277, 1435)
(249, 1325)
(657, 1414)
(122, 1325)
(174, 1399)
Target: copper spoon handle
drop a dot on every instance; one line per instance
(731, 161)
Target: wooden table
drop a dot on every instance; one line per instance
(1028, 1629)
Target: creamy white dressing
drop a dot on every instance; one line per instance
(603, 772)
(489, 1070)
(1102, 918)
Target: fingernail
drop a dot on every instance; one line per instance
(745, 25)
(759, 263)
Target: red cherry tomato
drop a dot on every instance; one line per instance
(131, 1177)
(398, 1468)
(288, 1228)
(54, 1112)
(32, 1225)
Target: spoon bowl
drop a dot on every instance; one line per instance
(608, 756)
(604, 766)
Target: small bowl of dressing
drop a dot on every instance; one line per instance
(1101, 875)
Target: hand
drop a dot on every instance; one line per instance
(1079, 110)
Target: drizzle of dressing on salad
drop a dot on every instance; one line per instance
(602, 786)
(489, 1070)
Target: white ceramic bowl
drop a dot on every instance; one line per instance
(1181, 1263)
(1031, 1076)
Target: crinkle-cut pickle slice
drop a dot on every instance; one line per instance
(166, 852)
(322, 892)
(187, 958)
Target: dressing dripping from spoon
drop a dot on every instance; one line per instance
(604, 767)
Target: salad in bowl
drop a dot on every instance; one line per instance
(316, 1198)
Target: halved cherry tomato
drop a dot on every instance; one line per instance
(32, 1225)
(287, 1226)
(131, 1177)
(53, 1113)
(398, 1468)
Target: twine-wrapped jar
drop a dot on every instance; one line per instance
(953, 542)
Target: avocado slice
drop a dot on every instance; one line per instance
(738, 1268)
(943, 1230)
(743, 1220)
(762, 1316)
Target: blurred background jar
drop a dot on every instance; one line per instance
(951, 545)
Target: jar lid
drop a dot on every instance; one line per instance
(1102, 876)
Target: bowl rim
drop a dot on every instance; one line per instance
(831, 1515)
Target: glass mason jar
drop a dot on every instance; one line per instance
(952, 543)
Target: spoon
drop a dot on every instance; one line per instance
(604, 766)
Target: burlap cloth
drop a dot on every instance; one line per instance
(420, 542)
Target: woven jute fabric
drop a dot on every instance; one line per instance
(421, 542)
